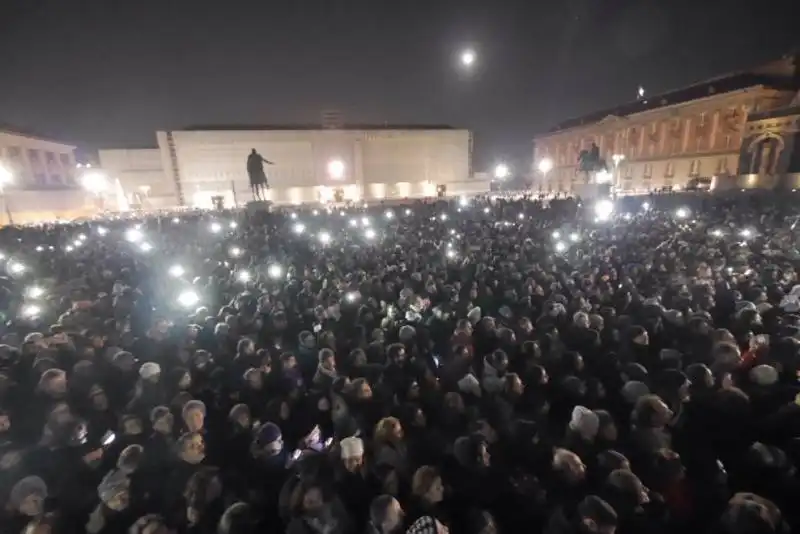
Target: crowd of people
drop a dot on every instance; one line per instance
(467, 366)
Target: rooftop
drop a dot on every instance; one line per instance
(780, 74)
(289, 127)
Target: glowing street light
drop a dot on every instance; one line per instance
(336, 169)
(574, 237)
(6, 176)
(545, 165)
(501, 171)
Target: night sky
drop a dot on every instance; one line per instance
(108, 73)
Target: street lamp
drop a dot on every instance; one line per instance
(501, 171)
(96, 182)
(617, 159)
(6, 177)
(545, 166)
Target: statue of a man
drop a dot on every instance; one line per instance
(255, 170)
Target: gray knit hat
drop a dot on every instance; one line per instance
(31, 485)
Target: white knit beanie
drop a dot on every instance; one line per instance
(584, 420)
(351, 447)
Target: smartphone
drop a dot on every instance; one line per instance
(296, 455)
(108, 438)
(317, 328)
(328, 442)
(436, 360)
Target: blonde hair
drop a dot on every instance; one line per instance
(384, 429)
(423, 479)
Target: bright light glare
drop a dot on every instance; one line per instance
(324, 238)
(352, 296)
(501, 171)
(365, 221)
(561, 246)
(30, 311)
(233, 225)
(176, 271)
(545, 165)
(176, 220)
(451, 253)
(390, 214)
(188, 299)
(236, 252)
(69, 248)
(102, 231)
(34, 292)
(716, 233)
(336, 169)
(145, 247)
(521, 216)
(602, 177)
(353, 223)
(275, 271)
(133, 235)
(468, 58)
(243, 276)
(443, 216)
(463, 201)
(94, 182)
(82, 237)
(556, 235)
(746, 233)
(299, 228)
(603, 209)
(293, 215)
(315, 213)
(39, 248)
(408, 212)
(627, 216)
(646, 206)
(6, 176)
(681, 213)
(215, 227)
(369, 233)
(14, 267)
(486, 210)
(574, 237)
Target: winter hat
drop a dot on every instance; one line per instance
(470, 384)
(633, 390)
(130, 458)
(193, 404)
(407, 333)
(269, 437)
(584, 420)
(158, 412)
(239, 410)
(598, 510)
(149, 370)
(474, 315)
(351, 447)
(26, 487)
(764, 375)
(424, 525)
(112, 484)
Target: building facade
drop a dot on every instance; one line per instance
(199, 166)
(665, 141)
(43, 184)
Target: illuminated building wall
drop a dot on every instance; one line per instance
(44, 186)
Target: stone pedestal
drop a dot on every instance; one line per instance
(254, 206)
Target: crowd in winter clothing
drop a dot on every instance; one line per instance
(470, 366)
